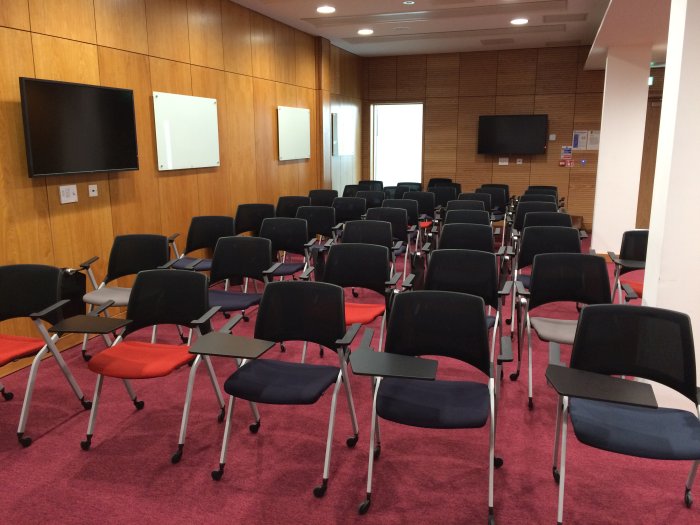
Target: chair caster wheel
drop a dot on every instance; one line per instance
(351, 441)
(497, 462)
(555, 474)
(227, 315)
(246, 319)
(139, 404)
(377, 452)
(85, 445)
(86, 357)
(320, 351)
(320, 490)
(514, 376)
(530, 404)
(7, 396)
(24, 441)
(282, 348)
(688, 498)
(492, 518)
(175, 459)
(254, 427)
(508, 322)
(364, 506)
(216, 474)
(220, 417)
(87, 405)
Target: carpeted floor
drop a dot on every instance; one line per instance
(423, 476)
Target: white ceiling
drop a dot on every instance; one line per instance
(440, 26)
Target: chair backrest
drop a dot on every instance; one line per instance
(373, 199)
(504, 187)
(286, 234)
(403, 187)
(439, 181)
(301, 311)
(634, 247)
(368, 232)
(205, 230)
(238, 257)
(249, 217)
(29, 288)
(573, 277)
(547, 239)
(409, 205)
(526, 207)
(498, 197)
(319, 220)
(322, 197)
(537, 197)
(349, 208)
(639, 341)
(483, 197)
(467, 217)
(443, 194)
(134, 253)
(350, 190)
(398, 217)
(551, 190)
(465, 205)
(358, 265)
(466, 271)
(288, 205)
(547, 218)
(425, 200)
(451, 324)
(168, 297)
(370, 185)
(466, 237)
(389, 192)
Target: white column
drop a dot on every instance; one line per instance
(673, 255)
(621, 143)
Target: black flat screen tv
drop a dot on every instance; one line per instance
(512, 134)
(77, 128)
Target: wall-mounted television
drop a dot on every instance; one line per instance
(77, 128)
(512, 134)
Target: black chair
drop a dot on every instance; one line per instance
(400, 230)
(370, 232)
(439, 181)
(158, 297)
(467, 217)
(322, 197)
(426, 205)
(443, 194)
(537, 197)
(287, 235)
(403, 187)
(350, 190)
(288, 205)
(465, 205)
(203, 233)
(130, 255)
(466, 236)
(373, 199)
(32, 291)
(521, 211)
(560, 278)
(504, 187)
(451, 325)
(349, 208)
(409, 205)
(390, 192)
(547, 218)
(499, 199)
(483, 197)
(551, 190)
(633, 256)
(249, 217)
(636, 341)
(295, 311)
(370, 185)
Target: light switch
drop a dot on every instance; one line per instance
(553, 137)
(68, 193)
(502, 161)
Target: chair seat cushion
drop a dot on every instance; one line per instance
(16, 346)
(662, 433)
(525, 279)
(140, 360)
(229, 301)
(182, 263)
(425, 224)
(490, 321)
(555, 330)
(362, 313)
(433, 404)
(120, 296)
(636, 284)
(288, 269)
(280, 382)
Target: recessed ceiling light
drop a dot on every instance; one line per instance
(519, 21)
(409, 2)
(365, 32)
(325, 9)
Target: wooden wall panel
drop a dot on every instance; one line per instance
(288, 170)
(472, 167)
(15, 13)
(411, 72)
(442, 75)
(305, 60)
(591, 81)
(236, 38)
(205, 33)
(557, 70)
(646, 178)
(129, 189)
(266, 153)
(382, 74)
(262, 37)
(168, 33)
(515, 105)
(440, 137)
(309, 170)
(284, 55)
(351, 75)
(122, 24)
(517, 72)
(74, 19)
(334, 70)
(477, 73)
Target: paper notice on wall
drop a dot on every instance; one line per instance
(580, 139)
(593, 139)
(565, 153)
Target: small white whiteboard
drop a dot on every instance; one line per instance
(294, 132)
(187, 132)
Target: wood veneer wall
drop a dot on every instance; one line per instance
(210, 48)
(456, 88)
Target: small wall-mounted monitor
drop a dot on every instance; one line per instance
(513, 134)
(77, 128)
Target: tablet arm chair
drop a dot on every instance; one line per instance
(203, 233)
(633, 256)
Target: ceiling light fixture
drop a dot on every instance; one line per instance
(365, 32)
(519, 21)
(325, 9)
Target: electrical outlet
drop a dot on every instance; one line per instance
(502, 161)
(92, 190)
(519, 161)
(68, 193)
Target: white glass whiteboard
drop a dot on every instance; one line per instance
(187, 132)
(294, 133)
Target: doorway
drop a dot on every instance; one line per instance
(397, 143)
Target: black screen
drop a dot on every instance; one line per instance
(77, 128)
(512, 134)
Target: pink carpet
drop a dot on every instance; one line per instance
(423, 476)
